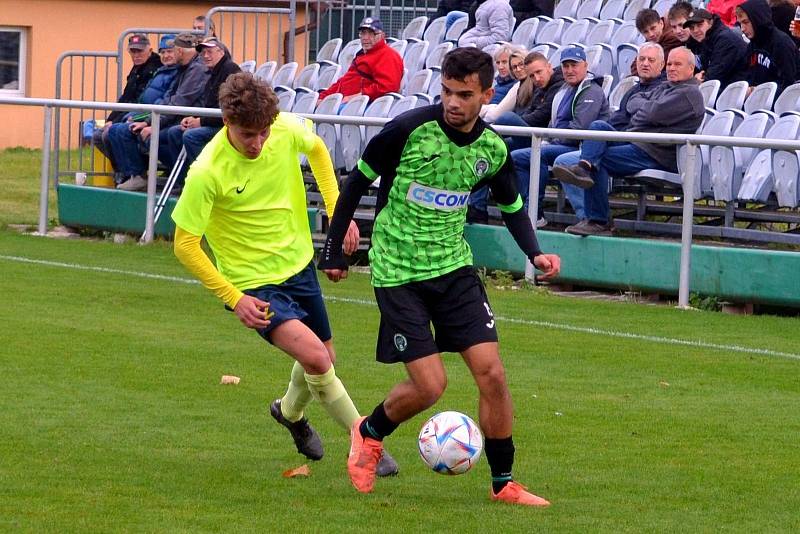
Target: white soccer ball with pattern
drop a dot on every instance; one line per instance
(450, 443)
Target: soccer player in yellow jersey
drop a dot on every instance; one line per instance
(245, 194)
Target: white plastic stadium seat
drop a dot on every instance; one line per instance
(599, 62)
(402, 105)
(419, 82)
(758, 181)
(633, 8)
(305, 102)
(589, 9)
(434, 33)
(434, 59)
(286, 99)
(348, 52)
(727, 164)
(626, 55)
(284, 78)
(525, 34)
(577, 32)
(624, 85)
(788, 100)
(266, 71)
(662, 6)
(415, 56)
(762, 97)
(551, 32)
(613, 9)
(456, 29)
(248, 66)
(732, 97)
(307, 77)
(566, 8)
(435, 87)
(351, 136)
(399, 46)
(327, 131)
(328, 73)
(600, 33)
(415, 29)
(786, 169)
(330, 50)
(379, 107)
(710, 90)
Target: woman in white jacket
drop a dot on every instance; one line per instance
(516, 63)
(494, 22)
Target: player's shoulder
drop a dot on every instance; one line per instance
(290, 122)
(414, 118)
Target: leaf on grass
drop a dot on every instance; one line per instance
(302, 471)
(663, 384)
(229, 380)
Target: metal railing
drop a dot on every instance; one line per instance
(536, 134)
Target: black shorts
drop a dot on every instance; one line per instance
(299, 297)
(455, 303)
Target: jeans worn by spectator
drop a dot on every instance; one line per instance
(193, 140)
(522, 164)
(129, 150)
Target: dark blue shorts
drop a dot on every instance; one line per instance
(299, 297)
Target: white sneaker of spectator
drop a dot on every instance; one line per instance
(134, 183)
(541, 222)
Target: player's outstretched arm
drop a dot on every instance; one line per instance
(332, 261)
(325, 176)
(521, 229)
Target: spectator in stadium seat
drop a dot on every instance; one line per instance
(527, 9)
(677, 15)
(186, 90)
(194, 132)
(504, 79)
(145, 64)
(722, 51)
(493, 23)
(771, 54)
(578, 103)
(377, 68)
(675, 107)
(655, 29)
(199, 23)
(783, 15)
(650, 65)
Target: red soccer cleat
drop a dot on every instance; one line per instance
(515, 493)
(362, 462)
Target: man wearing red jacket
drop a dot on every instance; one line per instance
(377, 68)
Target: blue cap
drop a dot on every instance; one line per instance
(167, 41)
(573, 53)
(371, 23)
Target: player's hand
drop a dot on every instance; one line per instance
(334, 275)
(351, 238)
(549, 264)
(253, 312)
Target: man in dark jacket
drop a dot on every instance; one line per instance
(187, 90)
(145, 64)
(771, 55)
(674, 107)
(578, 103)
(194, 132)
(721, 51)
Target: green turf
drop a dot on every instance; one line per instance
(112, 417)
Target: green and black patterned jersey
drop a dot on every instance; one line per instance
(427, 171)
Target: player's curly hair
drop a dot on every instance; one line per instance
(247, 101)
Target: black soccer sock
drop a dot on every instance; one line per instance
(377, 425)
(500, 455)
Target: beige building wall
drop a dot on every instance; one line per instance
(54, 26)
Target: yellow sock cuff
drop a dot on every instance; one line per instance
(326, 387)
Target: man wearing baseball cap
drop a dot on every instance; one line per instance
(578, 103)
(376, 69)
(721, 52)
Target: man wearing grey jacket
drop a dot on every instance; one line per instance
(672, 107)
(578, 103)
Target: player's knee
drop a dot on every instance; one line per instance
(493, 378)
(431, 391)
(316, 361)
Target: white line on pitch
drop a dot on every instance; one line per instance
(365, 302)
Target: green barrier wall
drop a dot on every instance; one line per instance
(736, 274)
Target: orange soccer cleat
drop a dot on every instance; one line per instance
(515, 493)
(362, 461)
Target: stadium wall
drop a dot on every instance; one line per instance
(55, 26)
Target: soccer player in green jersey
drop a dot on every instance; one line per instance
(429, 160)
(245, 193)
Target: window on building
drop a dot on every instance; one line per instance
(12, 61)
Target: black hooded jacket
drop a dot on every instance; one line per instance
(540, 109)
(722, 54)
(219, 74)
(772, 55)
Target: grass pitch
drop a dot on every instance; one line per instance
(629, 418)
